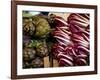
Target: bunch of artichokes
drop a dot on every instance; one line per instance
(36, 26)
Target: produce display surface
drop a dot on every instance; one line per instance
(53, 39)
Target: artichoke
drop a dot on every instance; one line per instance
(42, 26)
(28, 26)
(41, 47)
(37, 62)
(41, 50)
(26, 41)
(28, 54)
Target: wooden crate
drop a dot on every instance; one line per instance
(50, 62)
(46, 62)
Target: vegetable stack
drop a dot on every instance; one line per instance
(72, 36)
(35, 30)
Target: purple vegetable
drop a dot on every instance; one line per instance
(72, 47)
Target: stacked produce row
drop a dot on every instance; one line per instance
(72, 46)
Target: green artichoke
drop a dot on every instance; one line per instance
(42, 26)
(28, 26)
(42, 50)
(41, 47)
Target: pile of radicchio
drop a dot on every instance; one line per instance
(72, 40)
